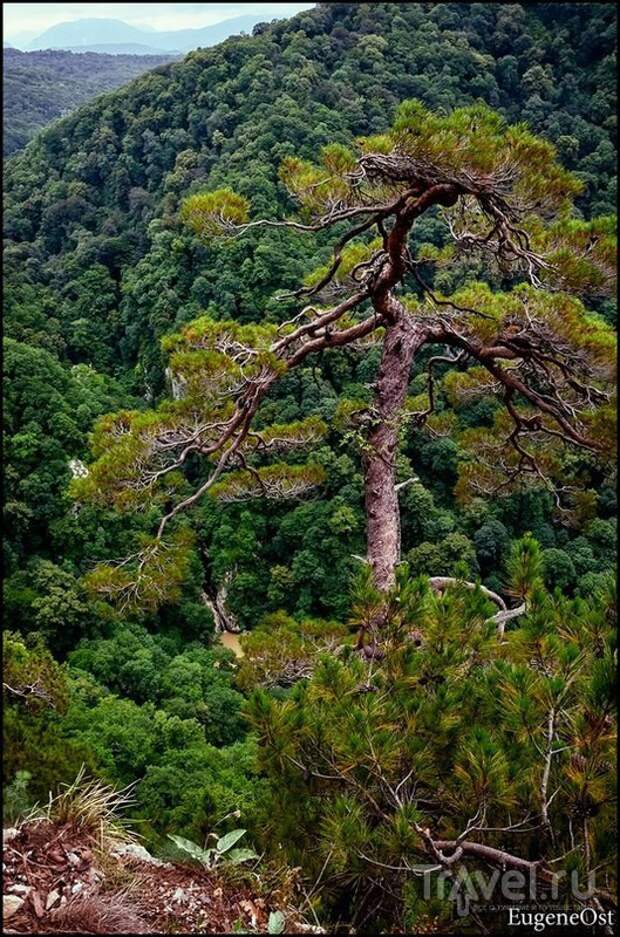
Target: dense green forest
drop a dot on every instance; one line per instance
(38, 87)
(105, 256)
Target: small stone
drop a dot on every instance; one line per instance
(10, 905)
(52, 898)
(135, 851)
(9, 833)
(73, 859)
(19, 889)
(179, 896)
(77, 888)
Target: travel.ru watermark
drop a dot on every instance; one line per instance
(527, 901)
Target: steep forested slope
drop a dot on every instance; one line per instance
(94, 183)
(99, 268)
(38, 87)
(102, 268)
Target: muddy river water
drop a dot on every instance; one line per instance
(231, 641)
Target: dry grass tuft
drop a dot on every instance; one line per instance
(91, 913)
(92, 807)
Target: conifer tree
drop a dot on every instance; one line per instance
(507, 208)
(459, 758)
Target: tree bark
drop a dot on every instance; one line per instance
(402, 339)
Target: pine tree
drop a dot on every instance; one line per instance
(534, 347)
(454, 756)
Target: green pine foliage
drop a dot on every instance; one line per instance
(448, 729)
(127, 322)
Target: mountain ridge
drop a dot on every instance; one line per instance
(85, 34)
(41, 86)
(98, 268)
(116, 48)
(213, 109)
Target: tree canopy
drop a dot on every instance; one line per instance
(212, 275)
(533, 346)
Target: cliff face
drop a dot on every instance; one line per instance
(58, 879)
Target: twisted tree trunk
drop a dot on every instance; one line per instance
(403, 337)
(402, 340)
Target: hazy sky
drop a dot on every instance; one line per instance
(34, 18)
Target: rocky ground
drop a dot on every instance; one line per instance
(56, 879)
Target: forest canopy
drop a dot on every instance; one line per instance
(39, 87)
(252, 239)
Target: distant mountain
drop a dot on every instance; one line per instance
(122, 48)
(82, 33)
(21, 39)
(40, 86)
(188, 39)
(100, 34)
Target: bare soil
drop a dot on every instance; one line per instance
(69, 886)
